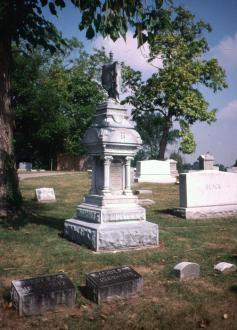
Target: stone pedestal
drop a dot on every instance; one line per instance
(110, 217)
(207, 194)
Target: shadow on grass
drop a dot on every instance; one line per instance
(233, 289)
(165, 211)
(30, 214)
(83, 291)
(233, 258)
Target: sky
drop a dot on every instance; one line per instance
(219, 138)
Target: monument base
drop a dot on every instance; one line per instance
(206, 212)
(155, 179)
(112, 236)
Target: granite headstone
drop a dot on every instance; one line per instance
(37, 295)
(121, 282)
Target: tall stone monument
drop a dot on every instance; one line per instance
(109, 217)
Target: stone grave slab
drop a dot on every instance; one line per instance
(225, 267)
(108, 284)
(37, 295)
(45, 195)
(158, 171)
(187, 270)
(207, 194)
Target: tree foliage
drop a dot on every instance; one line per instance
(23, 21)
(173, 92)
(54, 102)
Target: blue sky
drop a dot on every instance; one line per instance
(220, 138)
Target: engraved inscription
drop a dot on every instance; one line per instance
(47, 283)
(116, 176)
(213, 186)
(89, 214)
(124, 216)
(114, 275)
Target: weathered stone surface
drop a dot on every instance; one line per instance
(187, 270)
(45, 195)
(207, 194)
(113, 213)
(37, 295)
(108, 284)
(158, 171)
(225, 267)
(112, 236)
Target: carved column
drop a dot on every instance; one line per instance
(128, 175)
(106, 186)
(93, 177)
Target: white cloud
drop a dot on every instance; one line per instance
(128, 53)
(226, 51)
(229, 111)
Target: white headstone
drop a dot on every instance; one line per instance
(25, 166)
(187, 270)
(155, 171)
(206, 162)
(232, 169)
(225, 267)
(207, 194)
(45, 195)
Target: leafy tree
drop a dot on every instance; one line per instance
(54, 103)
(24, 20)
(150, 127)
(173, 91)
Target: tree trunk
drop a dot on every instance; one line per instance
(164, 140)
(10, 197)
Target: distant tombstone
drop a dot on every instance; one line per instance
(158, 171)
(187, 270)
(207, 194)
(225, 267)
(232, 169)
(206, 162)
(121, 282)
(173, 168)
(37, 295)
(25, 166)
(45, 195)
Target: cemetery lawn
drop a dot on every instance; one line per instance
(31, 244)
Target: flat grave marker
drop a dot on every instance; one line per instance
(108, 284)
(225, 267)
(37, 295)
(45, 195)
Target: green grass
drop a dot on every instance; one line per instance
(31, 244)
